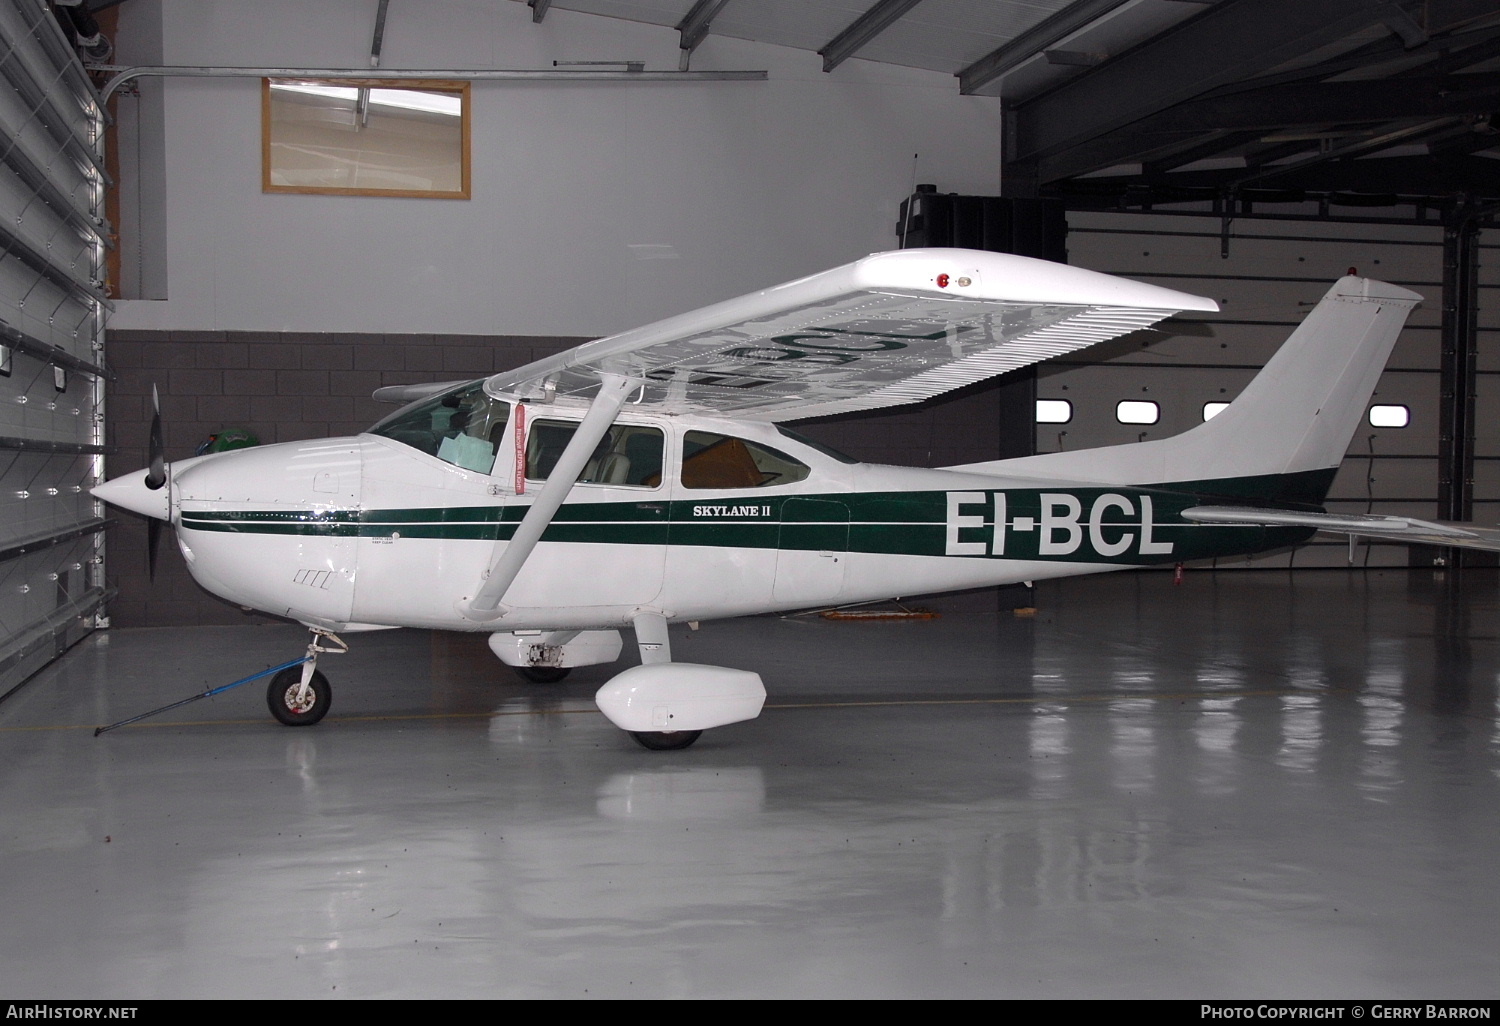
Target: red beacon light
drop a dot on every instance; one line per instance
(942, 281)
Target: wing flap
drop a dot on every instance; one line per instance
(890, 329)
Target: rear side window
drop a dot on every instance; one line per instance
(721, 461)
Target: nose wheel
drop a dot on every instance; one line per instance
(295, 705)
(299, 696)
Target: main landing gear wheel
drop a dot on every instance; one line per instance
(543, 674)
(665, 740)
(281, 696)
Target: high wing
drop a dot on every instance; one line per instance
(889, 329)
(1408, 530)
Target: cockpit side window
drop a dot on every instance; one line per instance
(628, 454)
(720, 461)
(464, 427)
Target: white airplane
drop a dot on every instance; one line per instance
(645, 479)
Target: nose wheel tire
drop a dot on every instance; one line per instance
(665, 740)
(543, 674)
(281, 696)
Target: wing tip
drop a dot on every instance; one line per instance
(1009, 277)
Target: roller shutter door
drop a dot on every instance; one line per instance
(52, 307)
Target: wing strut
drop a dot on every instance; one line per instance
(613, 390)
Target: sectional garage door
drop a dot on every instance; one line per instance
(1487, 384)
(52, 305)
(1266, 274)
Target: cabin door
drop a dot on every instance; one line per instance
(813, 551)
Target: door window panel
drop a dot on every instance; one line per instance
(627, 455)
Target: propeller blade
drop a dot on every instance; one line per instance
(153, 542)
(156, 477)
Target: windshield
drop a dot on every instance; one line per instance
(464, 427)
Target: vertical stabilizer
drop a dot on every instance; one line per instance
(1297, 415)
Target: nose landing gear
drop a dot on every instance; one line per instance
(299, 696)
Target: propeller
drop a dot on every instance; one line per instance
(156, 478)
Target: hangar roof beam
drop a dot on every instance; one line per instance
(1228, 42)
(863, 29)
(694, 27)
(1032, 42)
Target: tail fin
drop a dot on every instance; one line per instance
(1284, 436)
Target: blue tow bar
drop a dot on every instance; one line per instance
(207, 694)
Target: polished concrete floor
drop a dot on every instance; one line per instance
(1251, 785)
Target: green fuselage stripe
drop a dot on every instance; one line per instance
(1111, 525)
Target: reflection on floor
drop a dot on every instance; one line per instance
(1250, 785)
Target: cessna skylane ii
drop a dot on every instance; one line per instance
(646, 479)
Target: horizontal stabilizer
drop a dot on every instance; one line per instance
(1407, 530)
